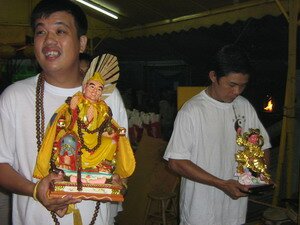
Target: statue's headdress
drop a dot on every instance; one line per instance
(106, 71)
(97, 77)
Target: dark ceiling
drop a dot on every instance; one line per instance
(266, 41)
(140, 12)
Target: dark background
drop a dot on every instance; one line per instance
(152, 64)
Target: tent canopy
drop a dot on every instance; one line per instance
(141, 17)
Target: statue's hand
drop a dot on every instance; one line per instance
(74, 102)
(90, 113)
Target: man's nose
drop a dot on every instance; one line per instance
(237, 90)
(51, 38)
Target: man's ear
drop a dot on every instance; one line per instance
(83, 43)
(212, 76)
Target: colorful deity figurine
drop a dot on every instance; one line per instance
(250, 158)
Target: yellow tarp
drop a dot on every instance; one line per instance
(150, 174)
(185, 93)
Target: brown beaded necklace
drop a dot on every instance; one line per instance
(40, 127)
(99, 130)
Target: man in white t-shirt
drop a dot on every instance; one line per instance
(203, 144)
(27, 106)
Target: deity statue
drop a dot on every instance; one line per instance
(251, 167)
(85, 142)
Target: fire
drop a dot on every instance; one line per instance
(269, 107)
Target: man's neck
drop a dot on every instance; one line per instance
(64, 81)
(211, 93)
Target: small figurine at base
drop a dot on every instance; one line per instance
(246, 178)
(251, 168)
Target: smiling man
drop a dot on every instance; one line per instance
(26, 107)
(203, 144)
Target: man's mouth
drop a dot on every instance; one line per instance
(52, 54)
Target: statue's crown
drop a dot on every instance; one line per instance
(97, 77)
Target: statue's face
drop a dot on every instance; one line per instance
(93, 90)
(254, 139)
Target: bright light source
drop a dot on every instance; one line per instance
(98, 9)
(269, 105)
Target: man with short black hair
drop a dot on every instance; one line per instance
(26, 107)
(203, 144)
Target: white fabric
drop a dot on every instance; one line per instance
(18, 146)
(204, 133)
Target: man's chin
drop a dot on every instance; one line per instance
(229, 100)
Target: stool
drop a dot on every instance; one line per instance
(275, 216)
(165, 211)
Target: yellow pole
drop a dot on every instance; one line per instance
(287, 132)
(290, 107)
(280, 6)
(280, 162)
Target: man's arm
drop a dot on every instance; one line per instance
(16, 183)
(191, 171)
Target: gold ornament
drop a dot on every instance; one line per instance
(251, 157)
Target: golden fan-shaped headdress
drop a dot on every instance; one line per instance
(108, 67)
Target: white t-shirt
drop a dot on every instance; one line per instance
(19, 149)
(204, 133)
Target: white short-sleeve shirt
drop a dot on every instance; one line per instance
(204, 132)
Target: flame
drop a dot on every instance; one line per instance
(269, 107)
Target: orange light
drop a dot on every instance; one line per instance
(269, 107)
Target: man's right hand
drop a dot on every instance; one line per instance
(57, 205)
(234, 189)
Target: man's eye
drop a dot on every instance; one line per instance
(39, 32)
(61, 32)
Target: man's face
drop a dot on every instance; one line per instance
(228, 87)
(56, 43)
(93, 90)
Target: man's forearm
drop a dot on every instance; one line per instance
(12, 181)
(193, 172)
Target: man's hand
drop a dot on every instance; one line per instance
(190, 170)
(122, 182)
(57, 205)
(234, 189)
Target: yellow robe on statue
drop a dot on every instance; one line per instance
(62, 123)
